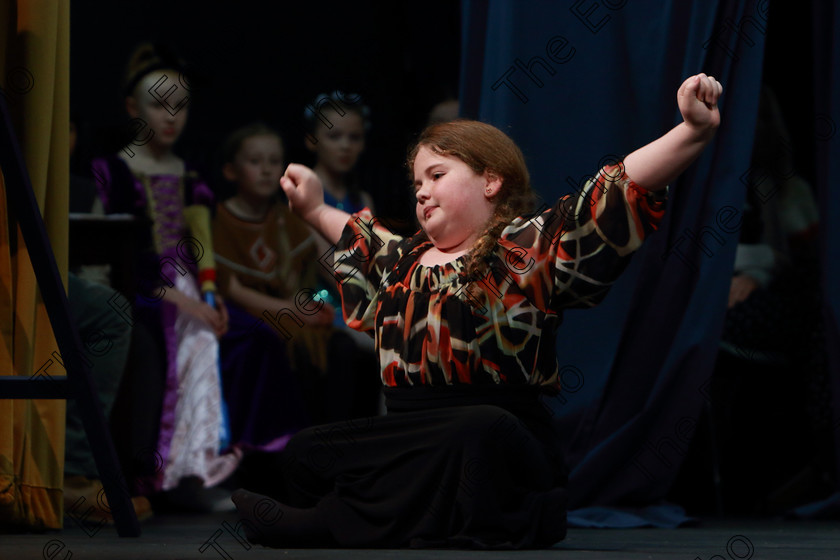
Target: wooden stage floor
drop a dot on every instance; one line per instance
(175, 537)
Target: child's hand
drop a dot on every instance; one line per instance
(223, 314)
(303, 188)
(217, 319)
(323, 318)
(697, 99)
(203, 312)
(742, 286)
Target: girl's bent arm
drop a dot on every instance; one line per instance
(256, 303)
(657, 164)
(252, 301)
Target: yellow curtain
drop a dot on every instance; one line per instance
(34, 74)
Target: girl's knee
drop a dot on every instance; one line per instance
(486, 420)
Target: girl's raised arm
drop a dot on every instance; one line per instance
(657, 164)
(306, 198)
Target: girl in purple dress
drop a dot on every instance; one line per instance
(148, 180)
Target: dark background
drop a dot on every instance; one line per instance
(788, 70)
(266, 61)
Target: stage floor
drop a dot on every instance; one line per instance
(174, 537)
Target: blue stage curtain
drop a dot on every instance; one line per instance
(579, 83)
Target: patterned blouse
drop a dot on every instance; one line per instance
(429, 330)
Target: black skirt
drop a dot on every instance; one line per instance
(445, 468)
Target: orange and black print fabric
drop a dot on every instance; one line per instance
(429, 330)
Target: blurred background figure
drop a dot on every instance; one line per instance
(770, 405)
(336, 126)
(264, 255)
(444, 111)
(178, 380)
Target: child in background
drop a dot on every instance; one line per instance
(336, 125)
(465, 315)
(268, 261)
(335, 133)
(265, 255)
(149, 180)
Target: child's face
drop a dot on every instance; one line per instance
(338, 148)
(156, 107)
(257, 167)
(454, 203)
